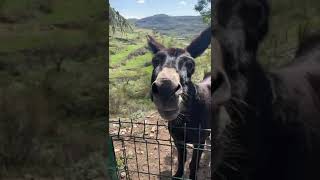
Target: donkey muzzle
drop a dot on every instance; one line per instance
(165, 88)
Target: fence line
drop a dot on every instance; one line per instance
(129, 137)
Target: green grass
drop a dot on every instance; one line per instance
(71, 11)
(118, 73)
(287, 16)
(52, 108)
(138, 62)
(35, 28)
(39, 39)
(136, 40)
(122, 54)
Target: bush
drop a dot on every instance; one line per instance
(24, 117)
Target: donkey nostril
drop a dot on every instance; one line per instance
(154, 88)
(178, 88)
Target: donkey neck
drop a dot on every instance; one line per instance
(193, 95)
(195, 108)
(245, 75)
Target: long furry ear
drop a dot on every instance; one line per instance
(154, 45)
(200, 43)
(221, 87)
(253, 14)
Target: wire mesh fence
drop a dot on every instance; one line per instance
(145, 150)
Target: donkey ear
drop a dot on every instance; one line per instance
(255, 14)
(200, 43)
(154, 45)
(221, 87)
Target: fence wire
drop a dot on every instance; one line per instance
(145, 150)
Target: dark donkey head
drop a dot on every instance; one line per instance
(237, 80)
(172, 71)
(238, 28)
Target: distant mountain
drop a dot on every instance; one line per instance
(132, 20)
(184, 26)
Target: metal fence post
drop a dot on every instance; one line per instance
(111, 160)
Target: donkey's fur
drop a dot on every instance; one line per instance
(194, 110)
(197, 114)
(266, 125)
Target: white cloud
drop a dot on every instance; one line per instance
(183, 3)
(130, 17)
(140, 1)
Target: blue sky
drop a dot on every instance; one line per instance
(144, 8)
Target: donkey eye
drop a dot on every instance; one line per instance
(189, 65)
(156, 61)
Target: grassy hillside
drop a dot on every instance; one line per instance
(290, 20)
(52, 54)
(130, 71)
(180, 26)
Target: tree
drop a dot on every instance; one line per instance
(204, 8)
(118, 21)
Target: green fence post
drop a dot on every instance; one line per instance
(111, 160)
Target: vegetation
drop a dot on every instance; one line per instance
(290, 21)
(117, 22)
(52, 80)
(204, 8)
(179, 26)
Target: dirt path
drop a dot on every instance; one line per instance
(152, 155)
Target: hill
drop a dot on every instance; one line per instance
(132, 20)
(182, 26)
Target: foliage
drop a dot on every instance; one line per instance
(92, 168)
(116, 21)
(52, 78)
(290, 21)
(179, 26)
(204, 8)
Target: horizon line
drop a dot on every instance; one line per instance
(137, 17)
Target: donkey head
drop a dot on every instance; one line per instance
(172, 71)
(238, 28)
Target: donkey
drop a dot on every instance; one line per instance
(266, 125)
(178, 100)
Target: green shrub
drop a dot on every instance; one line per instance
(24, 118)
